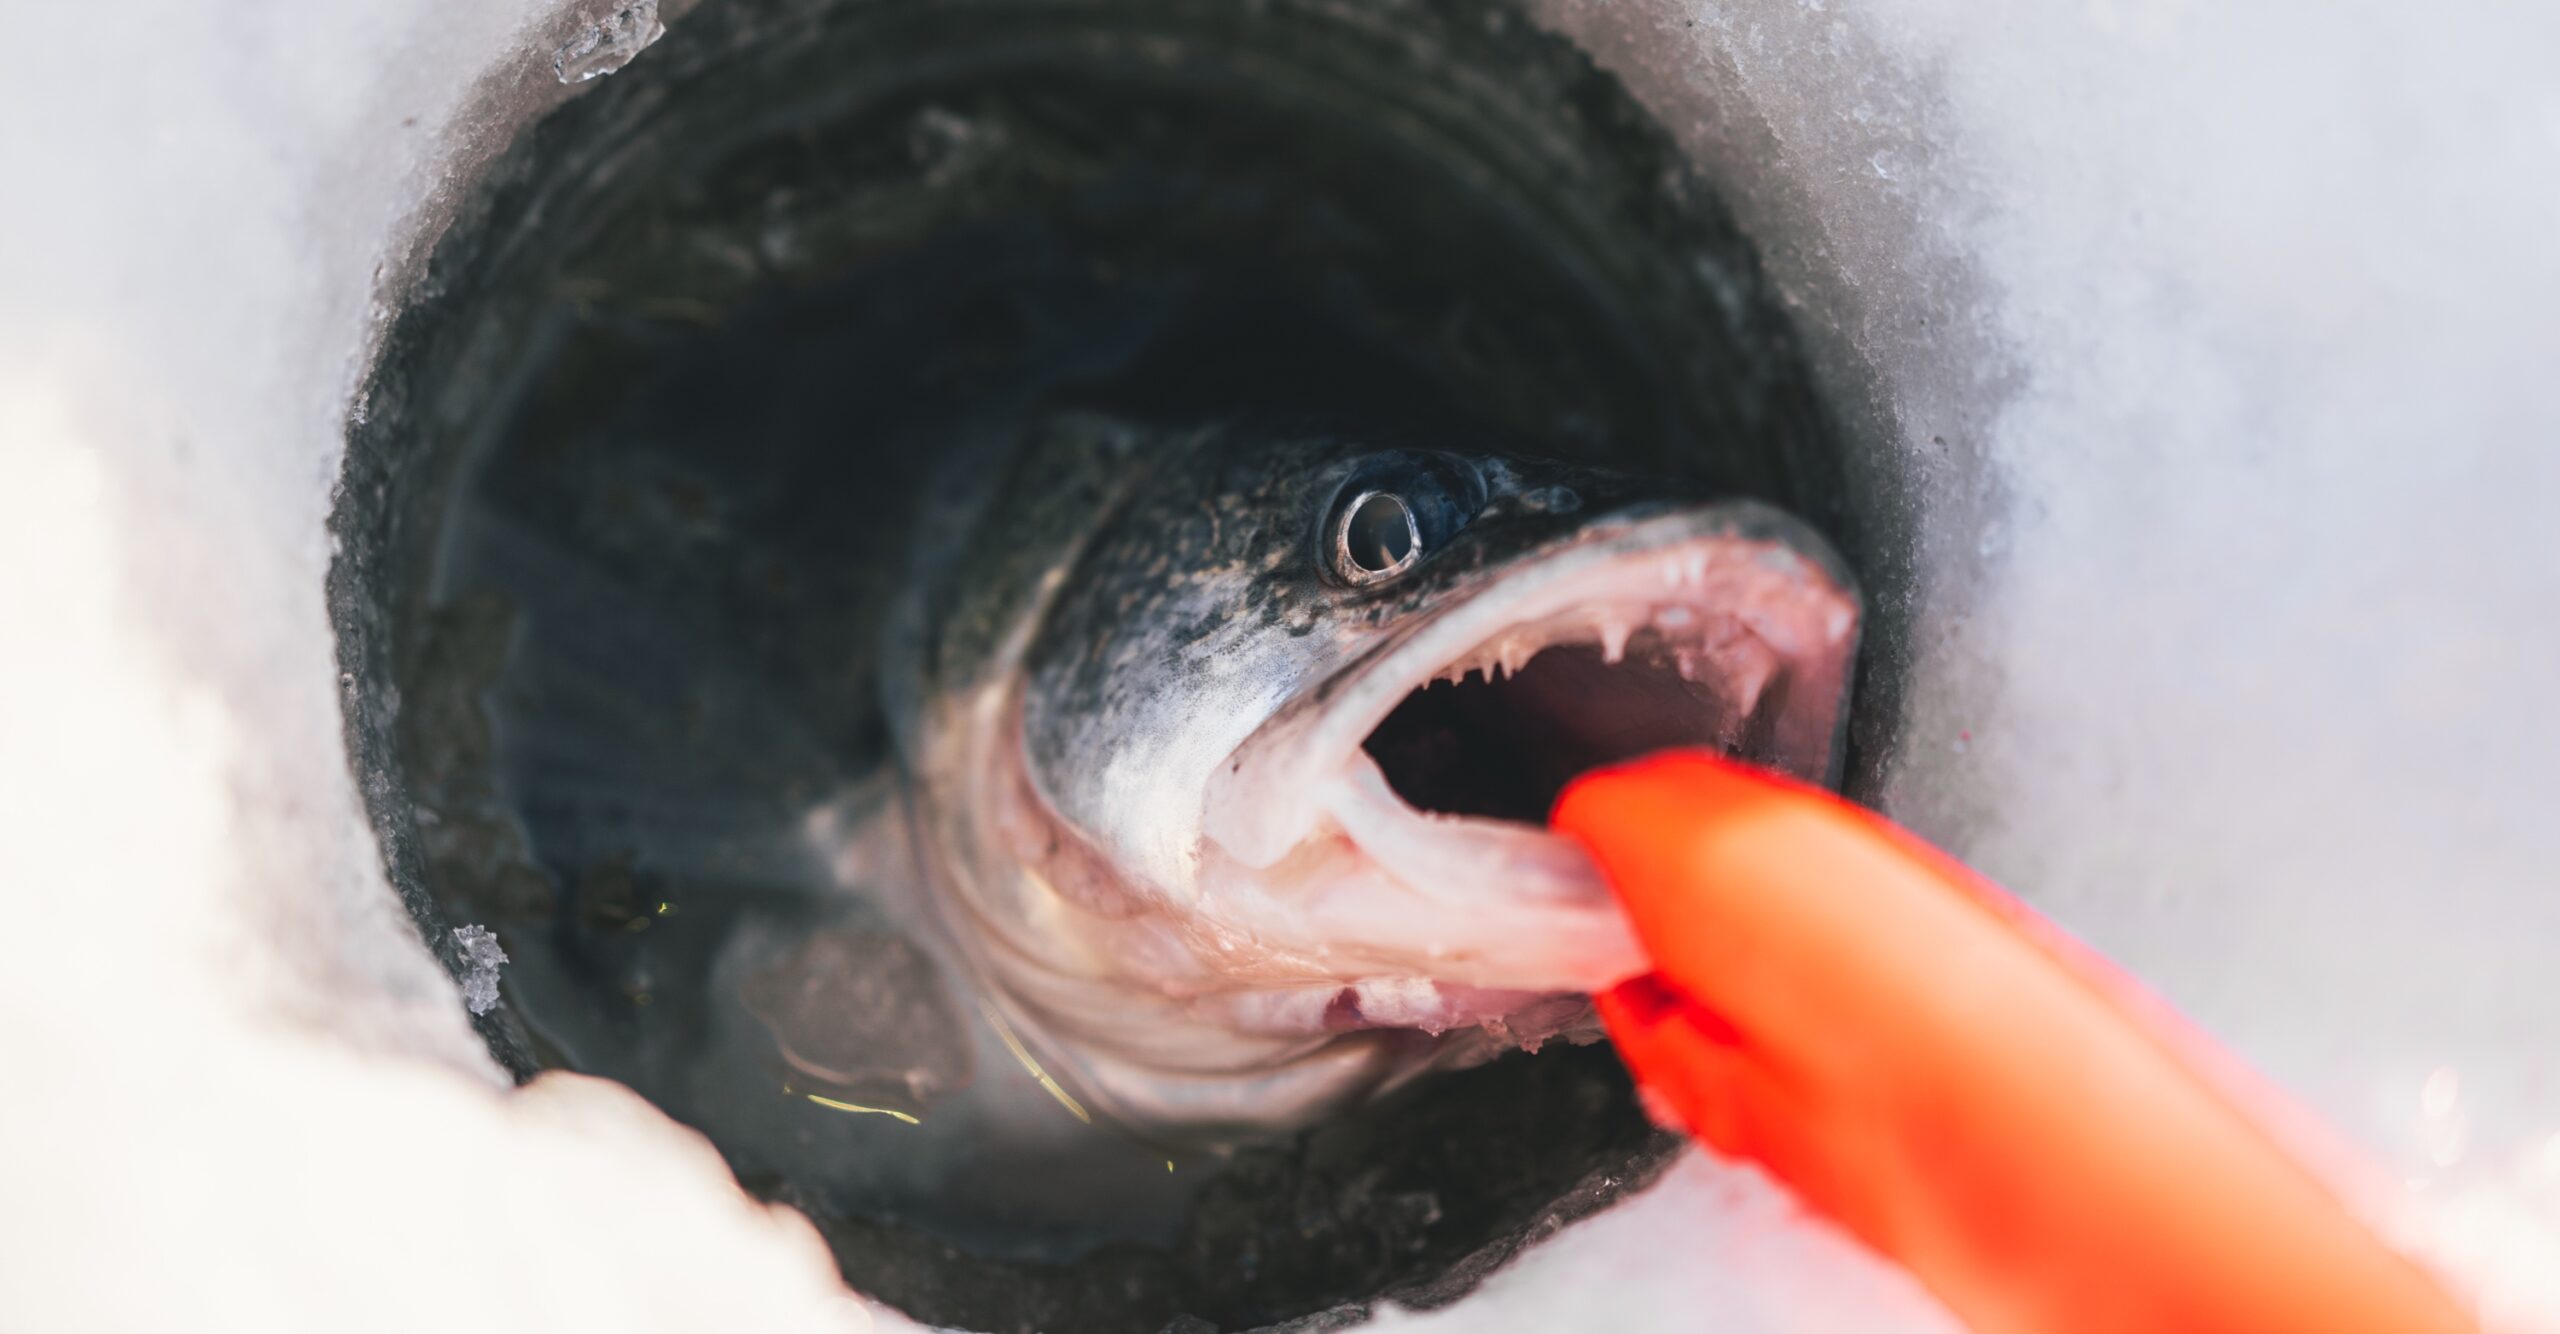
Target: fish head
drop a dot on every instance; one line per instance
(1302, 703)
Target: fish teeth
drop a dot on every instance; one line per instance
(1613, 638)
(1513, 656)
(1675, 618)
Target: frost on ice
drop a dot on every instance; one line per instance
(607, 45)
(481, 958)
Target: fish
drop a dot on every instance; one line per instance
(1226, 747)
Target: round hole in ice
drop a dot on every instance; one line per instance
(626, 500)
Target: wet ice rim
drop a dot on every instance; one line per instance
(1737, 606)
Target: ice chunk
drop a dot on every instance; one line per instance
(608, 44)
(481, 957)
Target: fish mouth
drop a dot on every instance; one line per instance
(1499, 735)
(1431, 763)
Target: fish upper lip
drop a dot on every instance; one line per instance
(1740, 561)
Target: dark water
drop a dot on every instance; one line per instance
(640, 472)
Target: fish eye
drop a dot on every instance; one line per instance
(1394, 513)
(1376, 538)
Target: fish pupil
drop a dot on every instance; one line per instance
(1379, 534)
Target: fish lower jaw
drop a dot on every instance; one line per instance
(1497, 903)
(1465, 904)
(1461, 862)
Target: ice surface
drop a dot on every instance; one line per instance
(1726, 1251)
(239, 1093)
(2203, 350)
(2202, 344)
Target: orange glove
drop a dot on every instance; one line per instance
(1954, 1081)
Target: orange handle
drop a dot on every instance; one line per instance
(1951, 1079)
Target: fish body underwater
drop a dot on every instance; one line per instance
(1226, 748)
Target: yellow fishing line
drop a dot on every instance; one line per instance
(858, 1107)
(1020, 1053)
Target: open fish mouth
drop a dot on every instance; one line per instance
(1424, 771)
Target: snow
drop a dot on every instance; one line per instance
(2210, 345)
(239, 1093)
(2201, 352)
